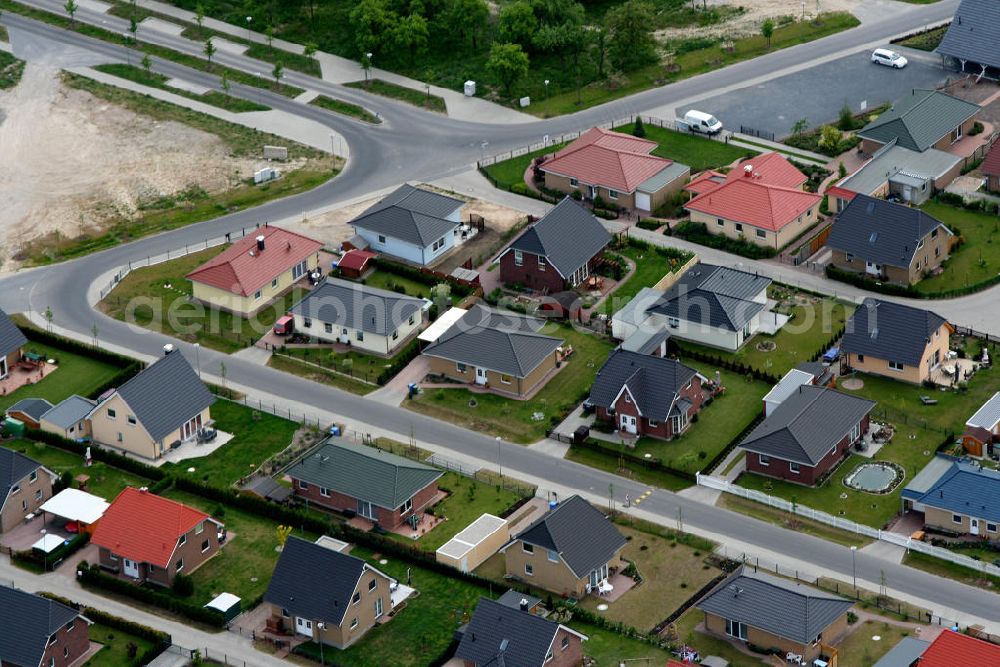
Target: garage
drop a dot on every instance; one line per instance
(477, 542)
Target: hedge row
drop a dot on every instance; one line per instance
(399, 361)
(654, 463)
(46, 561)
(727, 364)
(733, 444)
(697, 232)
(98, 454)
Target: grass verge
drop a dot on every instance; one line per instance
(338, 380)
(949, 570)
(799, 524)
(11, 68)
(409, 95)
(154, 80)
(346, 109)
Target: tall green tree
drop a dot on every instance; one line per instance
(631, 44)
(508, 63)
(517, 24)
(410, 35)
(372, 23)
(466, 19)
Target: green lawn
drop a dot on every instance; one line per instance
(926, 41)
(609, 463)
(651, 265)
(105, 481)
(860, 648)
(696, 152)
(257, 437)
(468, 500)
(75, 374)
(11, 68)
(605, 647)
(798, 524)
(364, 366)
(154, 80)
(418, 98)
(976, 260)
(395, 283)
(510, 172)
(513, 419)
(158, 298)
(295, 367)
(114, 652)
(346, 109)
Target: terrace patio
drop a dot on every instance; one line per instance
(25, 373)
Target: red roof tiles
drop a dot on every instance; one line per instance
(991, 165)
(145, 527)
(242, 269)
(748, 201)
(355, 260)
(770, 169)
(610, 159)
(706, 181)
(952, 648)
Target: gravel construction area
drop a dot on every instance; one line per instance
(748, 23)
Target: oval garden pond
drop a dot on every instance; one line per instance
(876, 477)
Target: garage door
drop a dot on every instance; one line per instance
(642, 201)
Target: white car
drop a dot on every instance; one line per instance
(888, 58)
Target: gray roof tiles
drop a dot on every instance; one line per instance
(920, 119)
(653, 382)
(411, 214)
(890, 331)
(569, 236)
(26, 623)
(69, 411)
(974, 33)
(988, 414)
(528, 637)
(807, 425)
(966, 488)
(715, 296)
(904, 654)
(365, 473)
(11, 337)
(33, 407)
(879, 231)
(787, 609)
(355, 306)
(14, 466)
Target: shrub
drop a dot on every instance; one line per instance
(977, 128)
(639, 130)
(183, 586)
(697, 232)
(649, 224)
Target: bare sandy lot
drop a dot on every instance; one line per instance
(748, 23)
(70, 161)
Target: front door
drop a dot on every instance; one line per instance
(591, 192)
(303, 626)
(480, 376)
(629, 424)
(130, 568)
(973, 526)
(366, 510)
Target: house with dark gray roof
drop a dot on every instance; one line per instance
(413, 224)
(970, 43)
(498, 350)
(921, 120)
(572, 550)
(894, 340)
(888, 242)
(646, 395)
(326, 595)
(12, 339)
(807, 434)
(767, 611)
(38, 632)
(558, 252)
(161, 407)
(708, 304)
(68, 418)
(366, 481)
(25, 485)
(371, 320)
(498, 634)
(963, 500)
(29, 410)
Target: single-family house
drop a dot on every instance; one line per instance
(950, 649)
(616, 167)
(413, 224)
(647, 395)
(888, 242)
(499, 350)
(36, 631)
(29, 411)
(256, 270)
(151, 539)
(68, 418)
(25, 485)
(371, 320)
(163, 405)
(970, 43)
(807, 434)
(964, 499)
(498, 634)
(982, 430)
(760, 201)
(12, 339)
(571, 550)
(326, 595)
(897, 341)
(374, 484)
(921, 120)
(991, 168)
(764, 610)
(708, 304)
(558, 252)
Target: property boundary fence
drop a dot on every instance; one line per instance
(754, 132)
(848, 525)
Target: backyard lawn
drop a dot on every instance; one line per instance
(468, 500)
(862, 649)
(105, 481)
(75, 374)
(651, 264)
(517, 420)
(696, 152)
(115, 642)
(976, 260)
(395, 283)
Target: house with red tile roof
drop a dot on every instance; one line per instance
(148, 538)
(953, 648)
(255, 270)
(616, 167)
(991, 168)
(761, 200)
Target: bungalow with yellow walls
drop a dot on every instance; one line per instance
(255, 270)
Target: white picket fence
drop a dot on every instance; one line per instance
(846, 524)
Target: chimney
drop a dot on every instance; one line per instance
(143, 489)
(748, 170)
(523, 604)
(260, 243)
(167, 349)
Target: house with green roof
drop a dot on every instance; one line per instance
(374, 484)
(922, 120)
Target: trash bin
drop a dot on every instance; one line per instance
(470, 88)
(335, 430)
(581, 434)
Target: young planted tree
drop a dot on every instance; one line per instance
(799, 127)
(199, 15)
(147, 63)
(508, 63)
(209, 51)
(133, 27)
(639, 130)
(71, 8)
(767, 30)
(226, 86)
(277, 73)
(309, 49)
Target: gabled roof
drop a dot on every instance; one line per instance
(988, 414)
(904, 653)
(69, 411)
(355, 259)
(892, 162)
(26, 623)
(919, 120)
(974, 33)
(966, 488)
(611, 159)
(654, 383)
(365, 473)
(706, 181)
(880, 231)
(755, 203)
(411, 214)
(578, 532)
(524, 639)
(33, 407)
(713, 295)
(315, 582)
(991, 165)
(14, 466)
(11, 337)
(145, 527)
(778, 606)
(953, 648)
(165, 395)
(356, 306)
(770, 169)
(243, 269)
(890, 331)
(807, 425)
(569, 236)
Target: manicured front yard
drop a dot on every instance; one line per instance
(468, 500)
(696, 152)
(115, 650)
(366, 367)
(105, 481)
(861, 648)
(515, 420)
(977, 259)
(651, 265)
(75, 374)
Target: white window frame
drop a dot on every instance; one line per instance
(527, 548)
(956, 518)
(111, 414)
(553, 556)
(180, 565)
(256, 295)
(274, 283)
(736, 630)
(896, 366)
(354, 623)
(764, 460)
(32, 477)
(381, 239)
(518, 257)
(182, 540)
(612, 194)
(529, 570)
(325, 492)
(794, 467)
(406, 506)
(574, 183)
(379, 608)
(848, 257)
(761, 234)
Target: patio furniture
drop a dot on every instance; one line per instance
(81, 481)
(793, 658)
(927, 400)
(604, 588)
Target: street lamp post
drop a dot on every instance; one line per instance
(854, 567)
(368, 64)
(321, 626)
(499, 463)
(249, 21)
(546, 89)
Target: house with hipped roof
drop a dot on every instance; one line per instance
(922, 120)
(957, 498)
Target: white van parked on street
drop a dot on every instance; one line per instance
(888, 58)
(699, 121)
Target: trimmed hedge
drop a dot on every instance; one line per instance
(97, 453)
(697, 232)
(653, 463)
(733, 444)
(48, 560)
(399, 362)
(727, 364)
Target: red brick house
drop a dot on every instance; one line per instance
(498, 634)
(148, 538)
(647, 395)
(558, 252)
(38, 632)
(807, 434)
(991, 168)
(366, 481)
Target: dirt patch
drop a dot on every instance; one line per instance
(748, 23)
(81, 161)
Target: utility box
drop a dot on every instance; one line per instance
(470, 88)
(275, 153)
(525, 101)
(265, 175)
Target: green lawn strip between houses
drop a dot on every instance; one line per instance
(74, 374)
(345, 108)
(468, 500)
(418, 98)
(115, 647)
(652, 263)
(976, 260)
(154, 80)
(696, 152)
